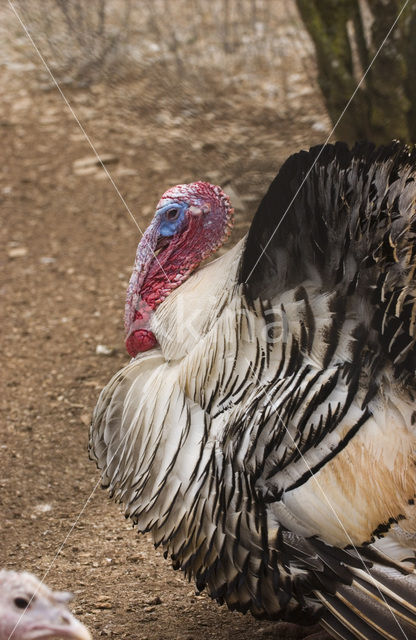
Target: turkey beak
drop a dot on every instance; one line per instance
(57, 621)
(146, 253)
(69, 627)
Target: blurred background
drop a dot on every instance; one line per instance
(167, 91)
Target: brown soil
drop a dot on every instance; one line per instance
(69, 243)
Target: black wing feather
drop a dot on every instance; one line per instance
(348, 218)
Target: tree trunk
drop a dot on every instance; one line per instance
(347, 35)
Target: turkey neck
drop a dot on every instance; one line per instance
(190, 310)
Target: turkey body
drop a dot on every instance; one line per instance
(268, 440)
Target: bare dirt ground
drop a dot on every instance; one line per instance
(68, 243)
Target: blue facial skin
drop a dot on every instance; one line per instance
(172, 218)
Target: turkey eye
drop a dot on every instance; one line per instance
(172, 214)
(21, 603)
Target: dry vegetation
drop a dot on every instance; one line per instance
(168, 91)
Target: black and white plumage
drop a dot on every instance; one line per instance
(29, 610)
(268, 441)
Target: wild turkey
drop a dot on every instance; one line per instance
(29, 610)
(265, 430)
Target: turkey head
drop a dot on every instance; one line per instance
(191, 222)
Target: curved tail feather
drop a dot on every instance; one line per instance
(380, 604)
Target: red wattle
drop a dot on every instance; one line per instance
(139, 337)
(139, 341)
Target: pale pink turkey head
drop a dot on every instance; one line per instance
(191, 222)
(29, 610)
